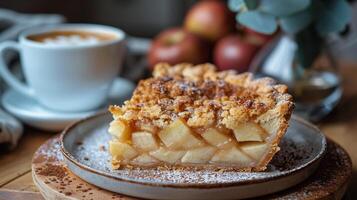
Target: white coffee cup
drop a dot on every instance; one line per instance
(66, 77)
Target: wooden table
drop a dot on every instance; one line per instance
(341, 126)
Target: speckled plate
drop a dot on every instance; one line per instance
(82, 146)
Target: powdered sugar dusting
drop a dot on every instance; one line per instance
(334, 171)
(45, 154)
(91, 150)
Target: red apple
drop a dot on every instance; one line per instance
(233, 52)
(175, 46)
(256, 37)
(210, 20)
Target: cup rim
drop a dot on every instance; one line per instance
(72, 26)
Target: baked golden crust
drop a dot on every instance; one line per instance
(205, 98)
(201, 96)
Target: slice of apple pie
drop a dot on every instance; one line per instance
(195, 117)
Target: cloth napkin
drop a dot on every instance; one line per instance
(10, 129)
(12, 23)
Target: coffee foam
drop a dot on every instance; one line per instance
(65, 40)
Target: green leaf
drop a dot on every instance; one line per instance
(258, 21)
(296, 22)
(251, 4)
(238, 5)
(334, 16)
(283, 7)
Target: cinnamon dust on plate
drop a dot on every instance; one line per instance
(53, 170)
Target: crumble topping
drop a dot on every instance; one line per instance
(201, 96)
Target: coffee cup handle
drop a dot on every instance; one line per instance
(5, 73)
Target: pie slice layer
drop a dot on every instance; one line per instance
(189, 116)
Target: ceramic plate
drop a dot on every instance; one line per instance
(301, 150)
(32, 113)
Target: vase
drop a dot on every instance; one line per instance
(315, 85)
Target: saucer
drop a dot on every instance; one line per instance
(302, 148)
(29, 111)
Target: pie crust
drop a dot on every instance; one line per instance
(189, 116)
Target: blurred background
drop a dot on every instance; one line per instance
(137, 17)
(141, 18)
(228, 41)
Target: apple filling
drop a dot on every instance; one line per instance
(195, 117)
(178, 144)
